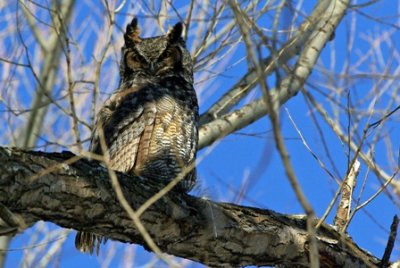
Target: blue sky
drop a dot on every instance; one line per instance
(250, 153)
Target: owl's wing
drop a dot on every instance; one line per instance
(149, 119)
(122, 120)
(102, 119)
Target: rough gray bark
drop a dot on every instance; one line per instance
(43, 186)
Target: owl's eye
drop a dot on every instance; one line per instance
(134, 61)
(134, 57)
(172, 56)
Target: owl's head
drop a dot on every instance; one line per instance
(155, 57)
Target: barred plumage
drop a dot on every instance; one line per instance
(150, 123)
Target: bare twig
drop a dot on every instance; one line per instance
(75, 119)
(354, 147)
(375, 124)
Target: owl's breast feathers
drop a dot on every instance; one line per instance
(150, 129)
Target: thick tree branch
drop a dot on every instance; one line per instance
(316, 32)
(77, 194)
(276, 60)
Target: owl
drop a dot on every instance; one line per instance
(150, 123)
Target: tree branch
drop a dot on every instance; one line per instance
(316, 32)
(78, 194)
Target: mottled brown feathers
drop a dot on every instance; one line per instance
(150, 123)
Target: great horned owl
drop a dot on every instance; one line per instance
(150, 123)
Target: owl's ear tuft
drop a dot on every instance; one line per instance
(132, 32)
(175, 33)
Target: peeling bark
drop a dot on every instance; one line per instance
(78, 194)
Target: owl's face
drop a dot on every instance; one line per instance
(155, 57)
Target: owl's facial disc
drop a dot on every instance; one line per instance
(155, 57)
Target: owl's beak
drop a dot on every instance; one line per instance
(152, 67)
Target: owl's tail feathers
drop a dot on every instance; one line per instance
(189, 181)
(86, 242)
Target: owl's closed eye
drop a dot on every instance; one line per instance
(135, 62)
(158, 56)
(170, 60)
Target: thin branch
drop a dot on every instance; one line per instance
(386, 116)
(14, 63)
(289, 86)
(75, 119)
(289, 50)
(42, 41)
(354, 147)
(47, 76)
